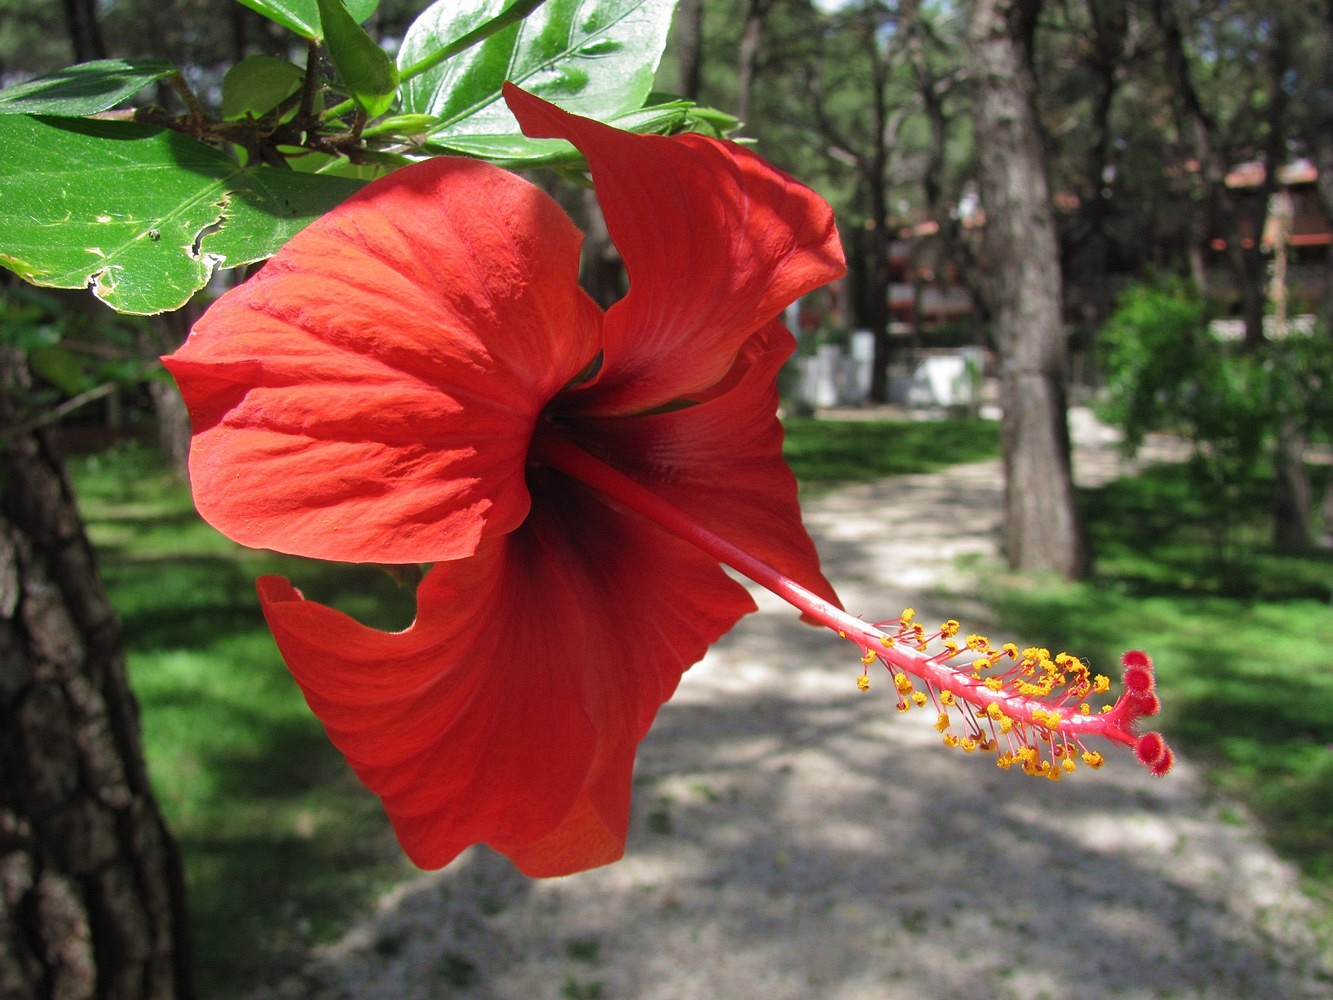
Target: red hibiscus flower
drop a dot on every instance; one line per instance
(406, 381)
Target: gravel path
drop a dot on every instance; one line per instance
(793, 838)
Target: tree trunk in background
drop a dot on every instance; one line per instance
(1042, 527)
(92, 900)
(167, 332)
(690, 47)
(752, 39)
(85, 35)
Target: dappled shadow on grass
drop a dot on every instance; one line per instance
(1152, 534)
(1240, 650)
(826, 453)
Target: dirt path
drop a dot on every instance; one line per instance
(794, 839)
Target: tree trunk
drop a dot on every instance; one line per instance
(92, 900)
(85, 34)
(1042, 527)
(747, 67)
(690, 48)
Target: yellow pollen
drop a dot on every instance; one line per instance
(863, 683)
(903, 683)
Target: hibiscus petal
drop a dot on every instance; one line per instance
(716, 241)
(369, 395)
(721, 462)
(510, 711)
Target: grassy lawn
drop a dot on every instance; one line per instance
(826, 453)
(281, 844)
(1241, 645)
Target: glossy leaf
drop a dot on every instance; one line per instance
(595, 58)
(517, 150)
(258, 84)
(141, 215)
(85, 89)
(302, 16)
(365, 68)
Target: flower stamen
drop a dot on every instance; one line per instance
(1032, 701)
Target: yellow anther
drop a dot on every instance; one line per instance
(888, 641)
(942, 722)
(946, 698)
(1101, 684)
(868, 657)
(1093, 759)
(903, 683)
(994, 683)
(903, 706)
(949, 629)
(907, 616)
(863, 683)
(950, 740)
(919, 699)
(969, 744)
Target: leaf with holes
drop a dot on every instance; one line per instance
(141, 215)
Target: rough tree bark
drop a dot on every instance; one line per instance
(92, 901)
(1042, 527)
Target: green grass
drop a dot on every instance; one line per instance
(1241, 645)
(828, 453)
(281, 844)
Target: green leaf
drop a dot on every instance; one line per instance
(302, 16)
(366, 69)
(141, 215)
(517, 150)
(258, 84)
(595, 58)
(85, 89)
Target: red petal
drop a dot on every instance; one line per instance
(716, 242)
(510, 712)
(721, 461)
(369, 395)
